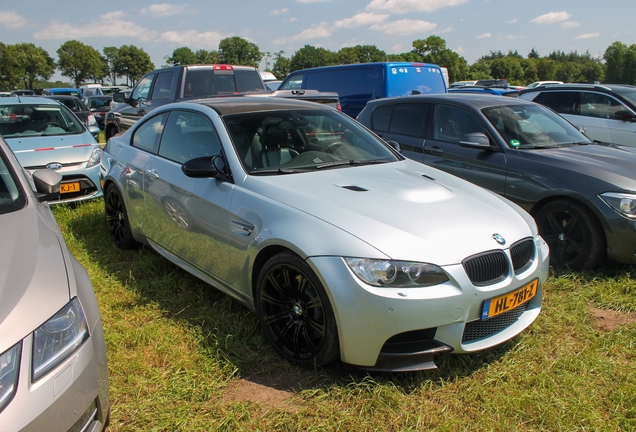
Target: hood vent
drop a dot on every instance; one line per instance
(354, 188)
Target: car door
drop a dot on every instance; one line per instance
(597, 111)
(403, 123)
(154, 90)
(189, 215)
(443, 149)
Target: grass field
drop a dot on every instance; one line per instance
(184, 357)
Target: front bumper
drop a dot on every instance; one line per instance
(403, 329)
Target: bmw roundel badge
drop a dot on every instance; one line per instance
(499, 239)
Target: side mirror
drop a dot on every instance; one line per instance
(475, 139)
(47, 184)
(119, 97)
(395, 145)
(205, 167)
(624, 115)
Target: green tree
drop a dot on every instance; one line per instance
(111, 54)
(433, 50)
(78, 61)
(281, 65)
(546, 69)
(348, 55)
(508, 68)
(310, 56)
(35, 64)
(238, 51)
(182, 56)
(614, 57)
(207, 57)
(133, 63)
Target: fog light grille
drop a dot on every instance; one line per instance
(482, 329)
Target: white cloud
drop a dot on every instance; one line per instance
(161, 10)
(512, 21)
(512, 37)
(12, 19)
(570, 24)
(406, 6)
(446, 30)
(551, 18)
(460, 50)
(364, 18)
(484, 36)
(588, 36)
(279, 12)
(192, 38)
(316, 31)
(110, 24)
(404, 27)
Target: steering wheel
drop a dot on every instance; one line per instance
(333, 146)
(47, 124)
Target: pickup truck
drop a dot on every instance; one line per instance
(177, 83)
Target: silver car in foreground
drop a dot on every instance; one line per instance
(345, 249)
(53, 370)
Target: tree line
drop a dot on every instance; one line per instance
(25, 65)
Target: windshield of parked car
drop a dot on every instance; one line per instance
(97, 102)
(21, 120)
(627, 93)
(533, 126)
(281, 142)
(11, 196)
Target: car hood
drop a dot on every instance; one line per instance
(37, 152)
(607, 162)
(33, 275)
(404, 209)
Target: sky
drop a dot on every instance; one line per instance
(472, 28)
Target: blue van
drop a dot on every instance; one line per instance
(356, 84)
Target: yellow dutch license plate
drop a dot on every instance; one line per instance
(506, 302)
(69, 187)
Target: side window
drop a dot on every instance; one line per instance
(163, 86)
(560, 101)
(599, 105)
(452, 123)
(381, 118)
(147, 135)
(294, 82)
(188, 135)
(408, 119)
(142, 89)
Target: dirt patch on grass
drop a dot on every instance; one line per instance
(607, 320)
(271, 391)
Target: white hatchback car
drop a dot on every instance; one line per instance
(605, 112)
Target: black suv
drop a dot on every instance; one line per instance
(605, 112)
(163, 86)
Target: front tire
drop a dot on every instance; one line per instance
(295, 312)
(574, 235)
(117, 219)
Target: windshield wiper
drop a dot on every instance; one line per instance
(351, 162)
(278, 170)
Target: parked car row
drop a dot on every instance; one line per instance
(426, 225)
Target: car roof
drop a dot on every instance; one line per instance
(29, 101)
(579, 86)
(244, 104)
(475, 100)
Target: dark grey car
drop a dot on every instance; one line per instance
(582, 194)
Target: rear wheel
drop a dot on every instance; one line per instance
(574, 235)
(295, 312)
(117, 219)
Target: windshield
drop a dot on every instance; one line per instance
(533, 126)
(11, 196)
(281, 142)
(97, 102)
(21, 120)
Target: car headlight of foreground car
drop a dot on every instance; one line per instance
(96, 157)
(58, 338)
(396, 274)
(625, 204)
(9, 367)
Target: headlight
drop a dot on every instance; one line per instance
(95, 158)
(58, 338)
(403, 274)
(625, 204)
(9, 367)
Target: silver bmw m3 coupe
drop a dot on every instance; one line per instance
(345, 249)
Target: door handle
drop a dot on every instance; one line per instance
(433, 150)
(152, 173)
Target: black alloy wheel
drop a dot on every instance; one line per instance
(295, 312)
(117, 219)
(574, 235)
